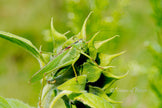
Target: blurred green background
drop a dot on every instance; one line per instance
(138, 22)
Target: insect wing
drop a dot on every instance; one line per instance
(64, 59)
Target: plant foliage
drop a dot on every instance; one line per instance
(76, 72)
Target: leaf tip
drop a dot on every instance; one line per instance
(100, 43)
(82, 34)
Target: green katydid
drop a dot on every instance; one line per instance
(66, 57)
(70, 54)
(66, 53)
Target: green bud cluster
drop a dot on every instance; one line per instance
(90, 86)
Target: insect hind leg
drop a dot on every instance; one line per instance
(93, 61)
(74, 71)
(40, 97)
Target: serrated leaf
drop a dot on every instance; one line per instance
(73, 85)
(58, 39)
(99, 92)
(21, 42)
(91, 71)
(93, 101)
(106, 59)
(4, 103)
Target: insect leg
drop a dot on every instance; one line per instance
(91, 59)
(40, 97)
(74, 71)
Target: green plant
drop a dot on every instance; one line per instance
(12, 103)
(107, 15)
(155, 49)
(75, 72)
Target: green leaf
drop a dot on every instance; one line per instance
(17, 104)
(56, 98)
(98, 44)
(4, 103)
(67, 57)
(73, 106)
(73, 95)
(93, 101)
(106, 59)
(110, 75)
(21, 42)
(108, 84)
(92, 49)
(12, 103)
(110, 79)
(82, 34)
(73, 85)
(67, 102)
(47, 95)
(91, 71)
(58, 39)
(99, 92)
